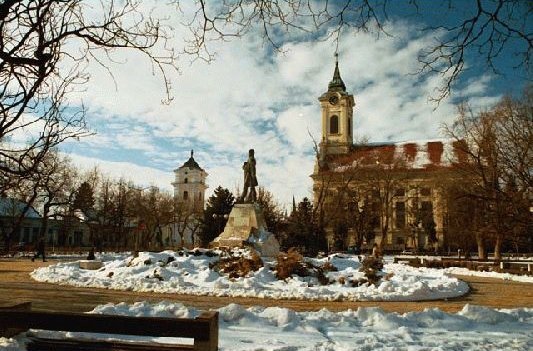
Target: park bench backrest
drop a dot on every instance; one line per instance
(203, 329)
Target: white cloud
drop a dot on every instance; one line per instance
(145, 176)
(249, 98)
(295, 124)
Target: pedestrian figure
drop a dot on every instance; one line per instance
(40, 251)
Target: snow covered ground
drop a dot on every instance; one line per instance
(497, 275)
(280, 329)
(170, 272)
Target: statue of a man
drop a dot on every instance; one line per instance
(250, 180)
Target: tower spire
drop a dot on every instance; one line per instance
(336, 83)
(293, 205)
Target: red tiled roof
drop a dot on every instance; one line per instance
(409, 155)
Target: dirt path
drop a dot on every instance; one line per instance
(17, 286)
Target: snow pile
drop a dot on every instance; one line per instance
(274, 328)
(265, 243)
(496, 275)
(186, 273)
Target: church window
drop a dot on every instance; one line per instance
(185, 195)
(400, 215)
(334, 124)
(186, 180)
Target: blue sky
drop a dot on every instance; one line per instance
(254, 97)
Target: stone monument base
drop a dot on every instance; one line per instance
(246, 226)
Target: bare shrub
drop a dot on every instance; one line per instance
(372, 266)
(238, 266)
(291, 263)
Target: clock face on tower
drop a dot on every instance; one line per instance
(333, 100)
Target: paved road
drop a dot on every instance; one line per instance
(17, 286)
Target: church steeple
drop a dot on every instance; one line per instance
(337, 111)
(336, 83)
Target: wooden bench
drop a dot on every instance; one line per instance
(20, 318)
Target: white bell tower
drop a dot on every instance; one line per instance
(190, 185)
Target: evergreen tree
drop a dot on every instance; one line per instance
(84, 198)
(216, 214)
(303, 232)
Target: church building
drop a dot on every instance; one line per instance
(396, 185)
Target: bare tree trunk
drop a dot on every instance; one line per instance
(481, 252)
(384, 232)
(498, 247)
(44, 222)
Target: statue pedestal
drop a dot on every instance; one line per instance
(246, 226)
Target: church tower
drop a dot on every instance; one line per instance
(337, 116)
(190, 186)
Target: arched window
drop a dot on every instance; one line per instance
(186, 181)
(334, 124)
(185, 195)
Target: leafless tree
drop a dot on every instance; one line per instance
(483, 28)
(156, 211)
(56, 181)
(44, 49)
(490, 29)
(498, 146)
(186, 220)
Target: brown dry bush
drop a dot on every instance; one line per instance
(371, 266)
(238, 266)
(291, 263)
